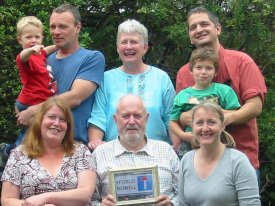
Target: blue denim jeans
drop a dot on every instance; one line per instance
(22, 131)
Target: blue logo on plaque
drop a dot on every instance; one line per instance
(145, 182)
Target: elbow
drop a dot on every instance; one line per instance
(86, 195)
(76, 102)
(4, 201)
(87, 198)
(255, 106)
(258, 111)
(87, 201)
(84, 199)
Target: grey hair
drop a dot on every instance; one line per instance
(133, 26)
(130, 97)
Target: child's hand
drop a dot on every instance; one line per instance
(26, 53)
(36, 49)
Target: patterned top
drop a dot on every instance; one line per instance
(113, 155)
(33, 179)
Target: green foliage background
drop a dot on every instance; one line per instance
(247, 25)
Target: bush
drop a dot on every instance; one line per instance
(247, 25)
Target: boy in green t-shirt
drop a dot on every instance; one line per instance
(204, 67)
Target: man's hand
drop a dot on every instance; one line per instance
(109, 200)
(163, 200)
(24, 118)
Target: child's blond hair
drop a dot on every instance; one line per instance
(28, 20)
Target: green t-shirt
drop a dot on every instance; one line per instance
(189, 97)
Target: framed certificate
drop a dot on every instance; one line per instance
(134, 185)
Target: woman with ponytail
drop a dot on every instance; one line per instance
(215, 173)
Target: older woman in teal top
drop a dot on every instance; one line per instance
(153, 85)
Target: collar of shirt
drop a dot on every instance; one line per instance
(148, 148)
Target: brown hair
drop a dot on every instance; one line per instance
(32, 143)
(204, 53)
(71, 9)
(199, 10)
(226, 138)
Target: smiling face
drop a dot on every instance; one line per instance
(131, 48)
(30, 36)
(131, 118)
(53, 125)
(207, 127)
(202, 31)
(203, 73)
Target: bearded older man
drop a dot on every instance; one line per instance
(133, 148)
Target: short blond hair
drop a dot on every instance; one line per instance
(28, 20)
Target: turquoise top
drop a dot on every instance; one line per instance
(155, 88)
